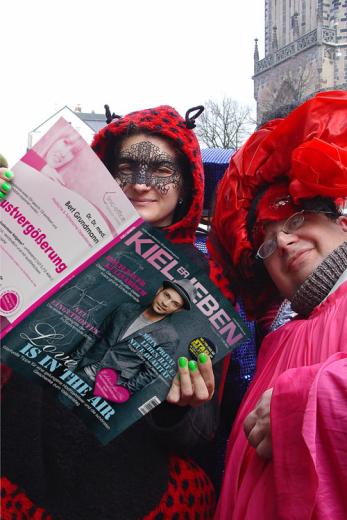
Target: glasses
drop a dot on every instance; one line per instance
(292, 224)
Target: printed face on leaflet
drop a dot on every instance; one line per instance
(147, 170)
(61, 152)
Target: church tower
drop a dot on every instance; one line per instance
(305, 52)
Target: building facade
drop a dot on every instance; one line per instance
(305, 52)
(86, 124)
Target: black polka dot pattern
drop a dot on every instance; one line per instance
(190, 494)
(15, 505)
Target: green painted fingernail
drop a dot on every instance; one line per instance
(8, 174)
(202, 358)
(5, 186)
(182, 362)
(192, 365)
(2, 195)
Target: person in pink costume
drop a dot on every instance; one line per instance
(277, 228)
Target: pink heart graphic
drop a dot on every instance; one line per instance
(106, 386)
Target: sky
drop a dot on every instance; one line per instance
(130, 54)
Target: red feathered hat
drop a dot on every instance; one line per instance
(305, 155)
(166, 122)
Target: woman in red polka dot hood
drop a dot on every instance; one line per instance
(155, 157)
(54, 467)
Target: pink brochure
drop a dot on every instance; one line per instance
(64, 210)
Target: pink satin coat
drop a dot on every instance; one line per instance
(305, 361)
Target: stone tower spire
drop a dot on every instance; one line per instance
(256, 50)
(274, 38)
(305, 52)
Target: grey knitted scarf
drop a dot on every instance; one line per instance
(318, 285)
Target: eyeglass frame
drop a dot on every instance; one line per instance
(274, 240)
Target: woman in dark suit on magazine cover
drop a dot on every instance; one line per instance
(53, 466)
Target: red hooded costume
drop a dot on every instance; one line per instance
(165, 122)
(51, 457)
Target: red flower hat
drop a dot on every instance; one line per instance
(308, 149)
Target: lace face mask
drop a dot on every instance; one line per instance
(145, 163)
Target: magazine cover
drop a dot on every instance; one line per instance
(107, 343)
(63, 208)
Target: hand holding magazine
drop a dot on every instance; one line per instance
(128, 306)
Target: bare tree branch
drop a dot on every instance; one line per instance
(224, 125)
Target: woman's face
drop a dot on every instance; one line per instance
(148, 172)
(60, 153)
